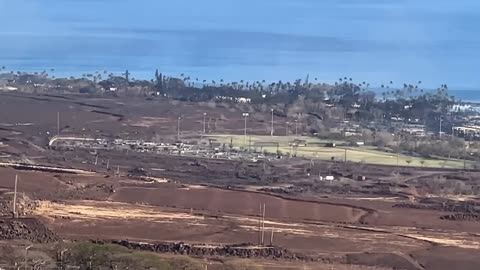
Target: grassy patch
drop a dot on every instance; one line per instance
(316, 149)
(88, 255)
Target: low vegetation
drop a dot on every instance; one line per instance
(317, 148)
(106, 256)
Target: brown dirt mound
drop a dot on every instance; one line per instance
(26, 229)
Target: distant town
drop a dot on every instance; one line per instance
(404, 117)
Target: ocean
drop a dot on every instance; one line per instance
(376, 41)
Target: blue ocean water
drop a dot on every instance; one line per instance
(434, 41)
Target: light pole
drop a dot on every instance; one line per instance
(271, 130)
(204, 123)
(286, 128)
(178, 127)
(245, 115)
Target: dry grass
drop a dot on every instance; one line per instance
(109, 210)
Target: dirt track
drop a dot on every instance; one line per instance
(235, 202)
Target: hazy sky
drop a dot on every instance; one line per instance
(374, 40)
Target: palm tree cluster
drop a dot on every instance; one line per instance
(409, 101)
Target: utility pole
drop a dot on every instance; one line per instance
(271, 129)
(286, 128)
(58, 123)
(271, 239)
(440, 128)
(260, 226)
(245, 115)
(296, 127)
(204, 123)
(178, 127)
(398, 150)
(15, 197)
(62, 267)
(26, 256)
(263, 225)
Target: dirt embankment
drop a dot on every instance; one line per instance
(443, 205)
(462, 217)
(24, 204)
(241, 250)
(27, 229)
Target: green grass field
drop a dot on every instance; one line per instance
(316, 149)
